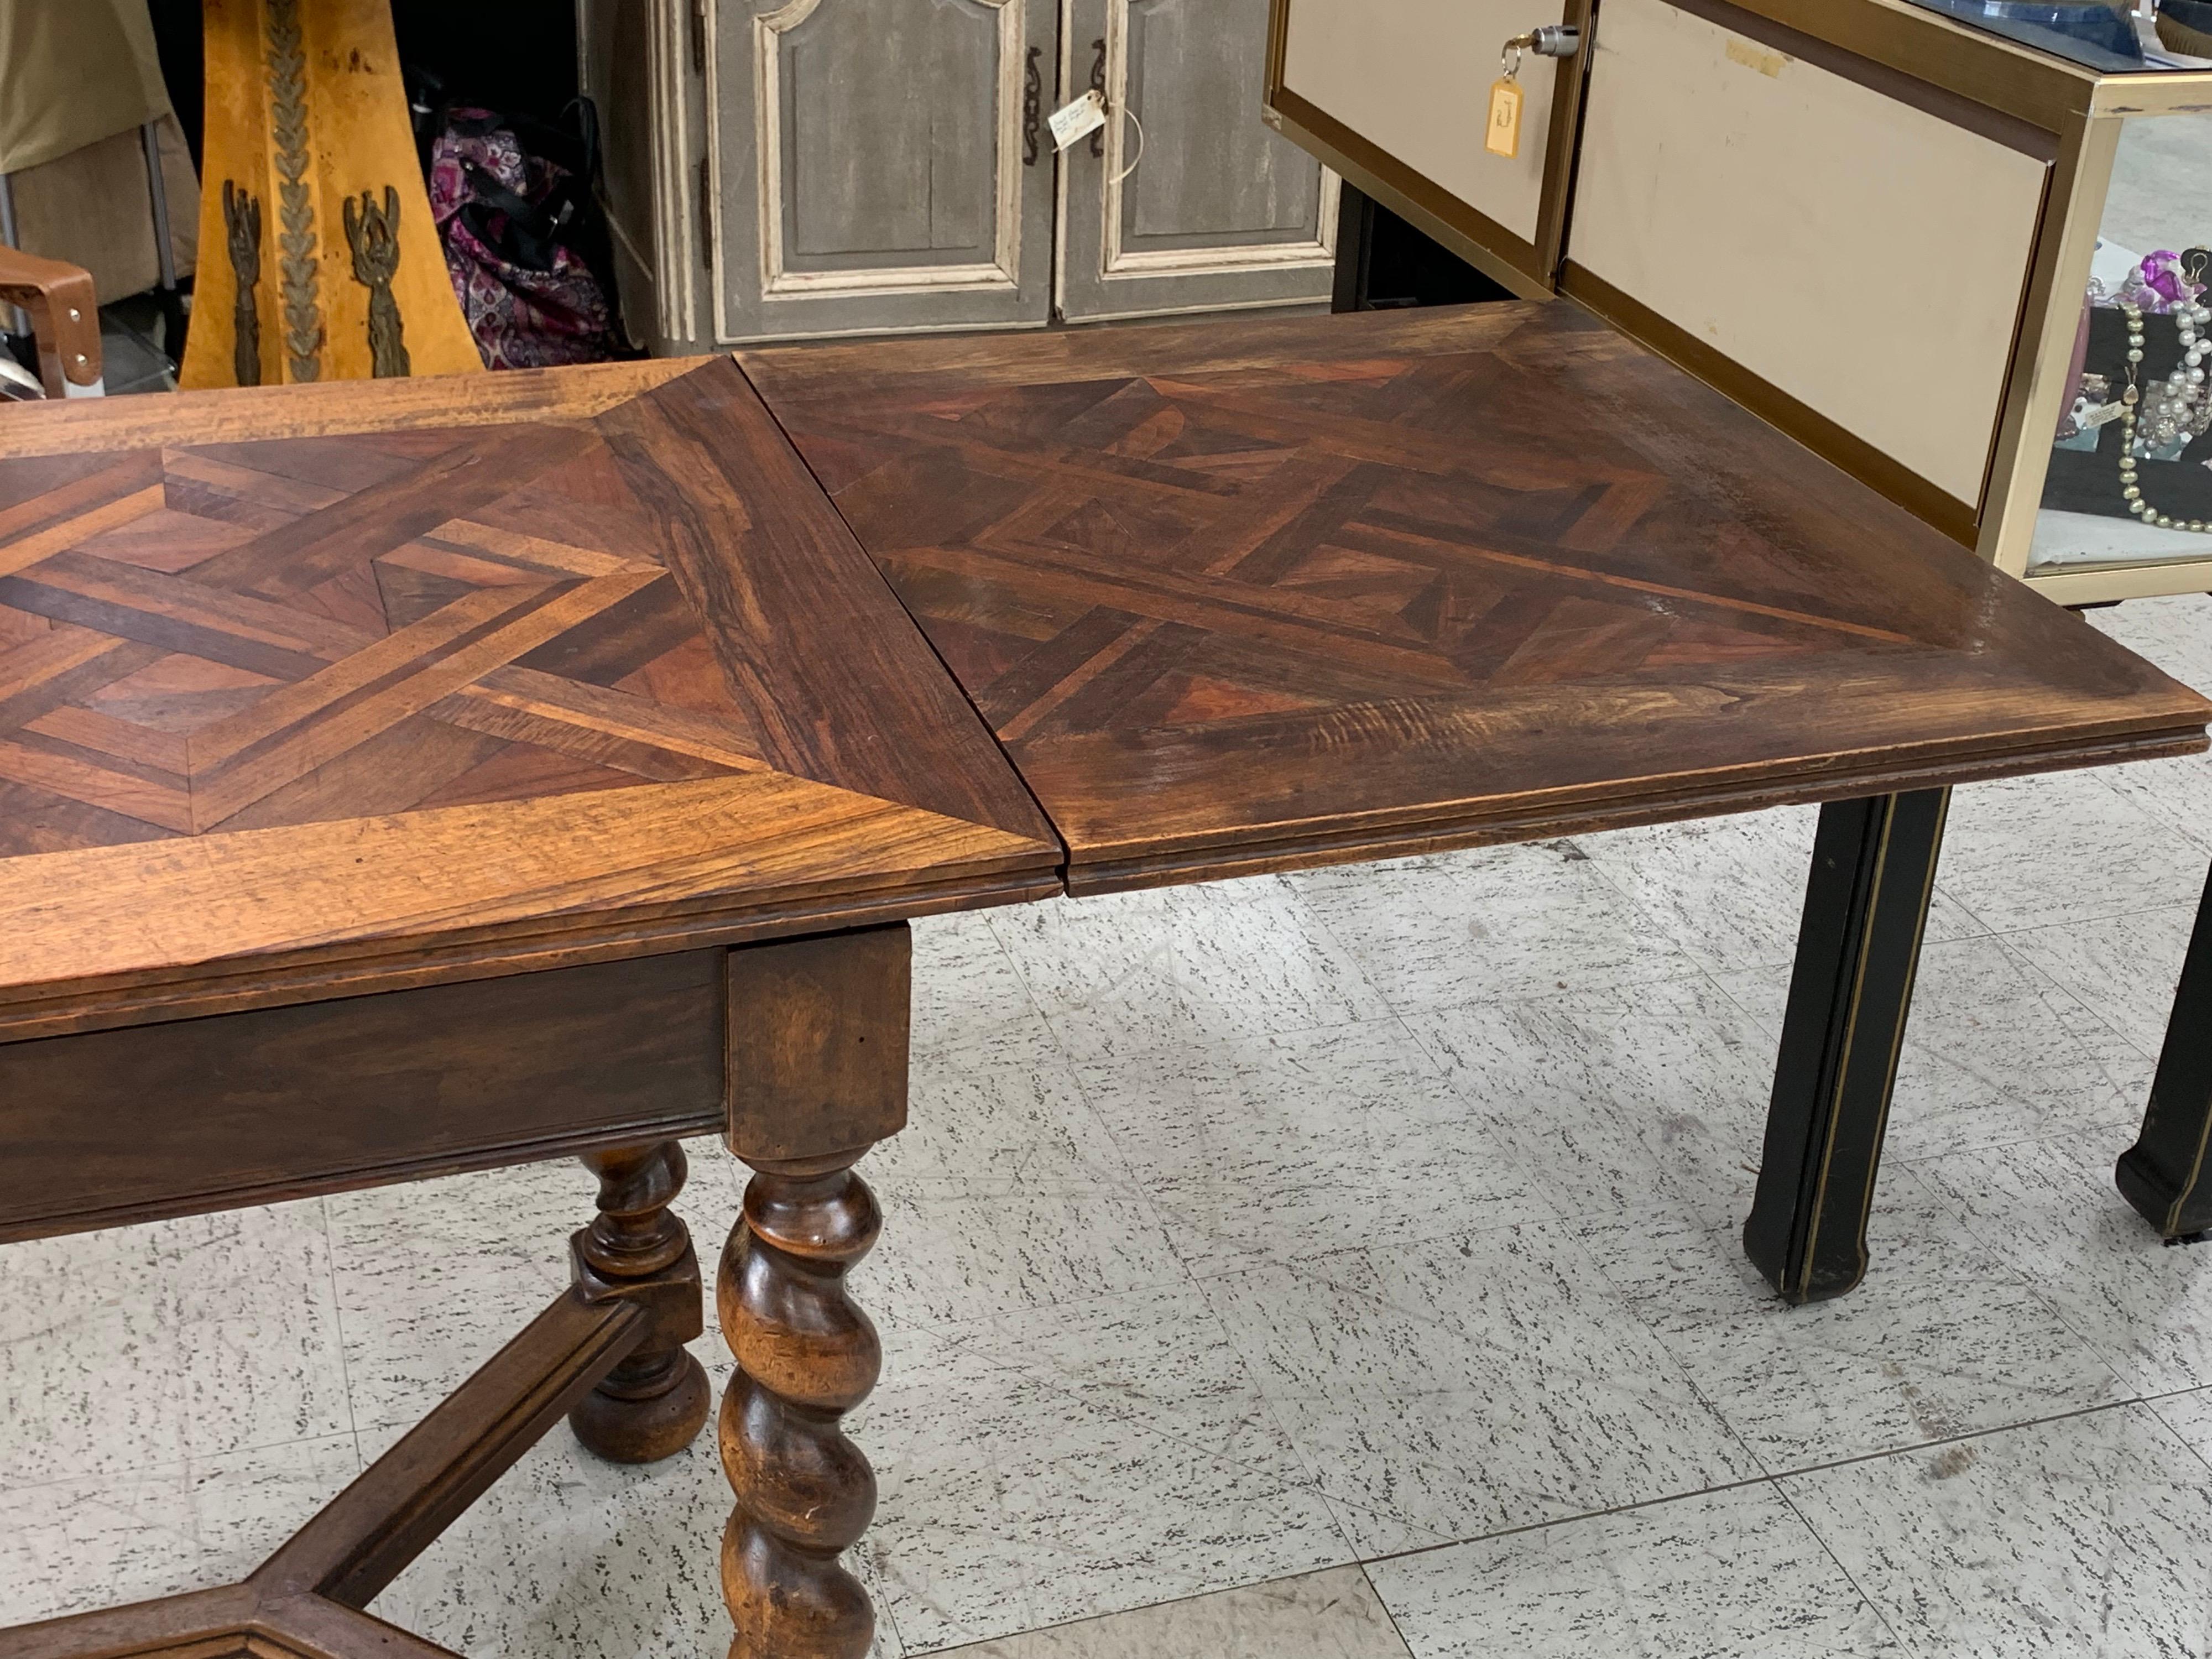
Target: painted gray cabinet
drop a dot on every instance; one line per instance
(868, 167)
(1187, 202)
(778, 168)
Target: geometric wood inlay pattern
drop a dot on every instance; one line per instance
(428, 633)
(1252, 593)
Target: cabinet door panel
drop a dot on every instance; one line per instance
(1217, 211)
(1396, 92)
(873, 167)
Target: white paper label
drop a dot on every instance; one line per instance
(1072, 121)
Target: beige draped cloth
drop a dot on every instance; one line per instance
(73, 72)
(78, 79)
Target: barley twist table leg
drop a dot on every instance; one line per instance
(655, 1403)
(805, 1356)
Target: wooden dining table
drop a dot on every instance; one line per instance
(405, 778)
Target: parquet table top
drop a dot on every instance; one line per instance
(1241, 595)
(317, 687)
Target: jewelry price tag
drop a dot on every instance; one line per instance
(1502, 137)
(1072, 121)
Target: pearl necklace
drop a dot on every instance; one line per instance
(2177, 406)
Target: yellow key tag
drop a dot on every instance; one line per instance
(1503, 135)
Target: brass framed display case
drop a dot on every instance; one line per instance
(1869, 221)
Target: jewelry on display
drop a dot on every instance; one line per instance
(2177, 407)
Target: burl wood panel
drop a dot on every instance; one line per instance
(108, 1127)
(300, 693)
(1251, 594)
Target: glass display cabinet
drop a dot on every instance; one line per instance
(1912, 234)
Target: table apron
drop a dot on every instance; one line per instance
(193, 1115)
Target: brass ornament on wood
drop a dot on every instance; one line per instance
(299, 266)
(306, 115)
(805, 1356)
(241, 218)
(372, 233)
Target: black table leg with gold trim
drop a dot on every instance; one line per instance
(2163, 1175)
(1866, 909)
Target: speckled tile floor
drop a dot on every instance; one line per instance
(1342, 1264)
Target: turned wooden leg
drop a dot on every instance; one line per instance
(2164, 1174)
(1866, 906)
(816, 1034)
(655, 1403)
(805, 1357)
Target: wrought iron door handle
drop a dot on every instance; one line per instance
(1032, 108)
(1098, 85)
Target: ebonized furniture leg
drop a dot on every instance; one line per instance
(817, 1041)
(1355, 247)
(652, 1405)
(1866, 906)
(2163, 1175)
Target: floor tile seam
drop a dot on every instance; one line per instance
(172, 1466)
(338, 1322)
(1658, 923)
(1389, 1613)
(2056, 1136)
(2203, 1454)
(1774, 1479)
(2003, 1252)
(2154, 803)
(2187, 902)
(1528, 1174)
(1689, 972)
(1204, 1592)
(1293, 1029)
(1529, 1170)
(1687, 969)
(1823, 1350)
(2115, 1362)
(1302, 1266)
(1631, 1306)
(1256, 1257)
(1905, 1645)
(1132, 1414)
(1138, 1185)
(1384, 1559)
(1311, 914)
(1950, 896)
(2001, 1255)
(1383, 1020)
(1712, 977)
(1321, 924)
(887, 1611)
(1991, 1255)
(1145, 1607)
(1807, 1471)
(2028, 965)
(1134, 1411)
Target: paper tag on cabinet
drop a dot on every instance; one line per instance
(1072, 121)
(1501, 136)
